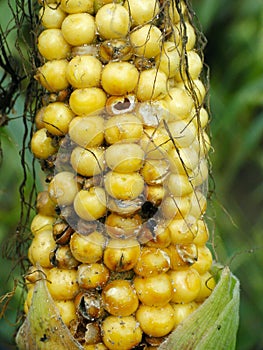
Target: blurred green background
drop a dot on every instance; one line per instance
(234, 54)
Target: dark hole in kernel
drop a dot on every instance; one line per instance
(148, 210)
(53, 258)
(44, 338)
(123, 105)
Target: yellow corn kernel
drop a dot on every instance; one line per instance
(121, 333)
(119, 298)
(156, 321)
(62, 283)
(87, 248)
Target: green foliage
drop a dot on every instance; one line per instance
(234, 54)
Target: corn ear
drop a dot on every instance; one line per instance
(122, 136)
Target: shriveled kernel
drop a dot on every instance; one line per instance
(79, 29)
(62, 257)
(87, 248)
(115, 49)
(119, 298)
(121, 333)
(152, 112)
(112, 21)
(52, 44)
(89, 305)
(92, 334)
(125, 207)
(156, 321)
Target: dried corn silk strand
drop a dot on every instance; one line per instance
(120, 232)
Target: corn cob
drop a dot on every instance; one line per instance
(120, 231)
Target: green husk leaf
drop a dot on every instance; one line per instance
(43, 328)
(214, 324)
